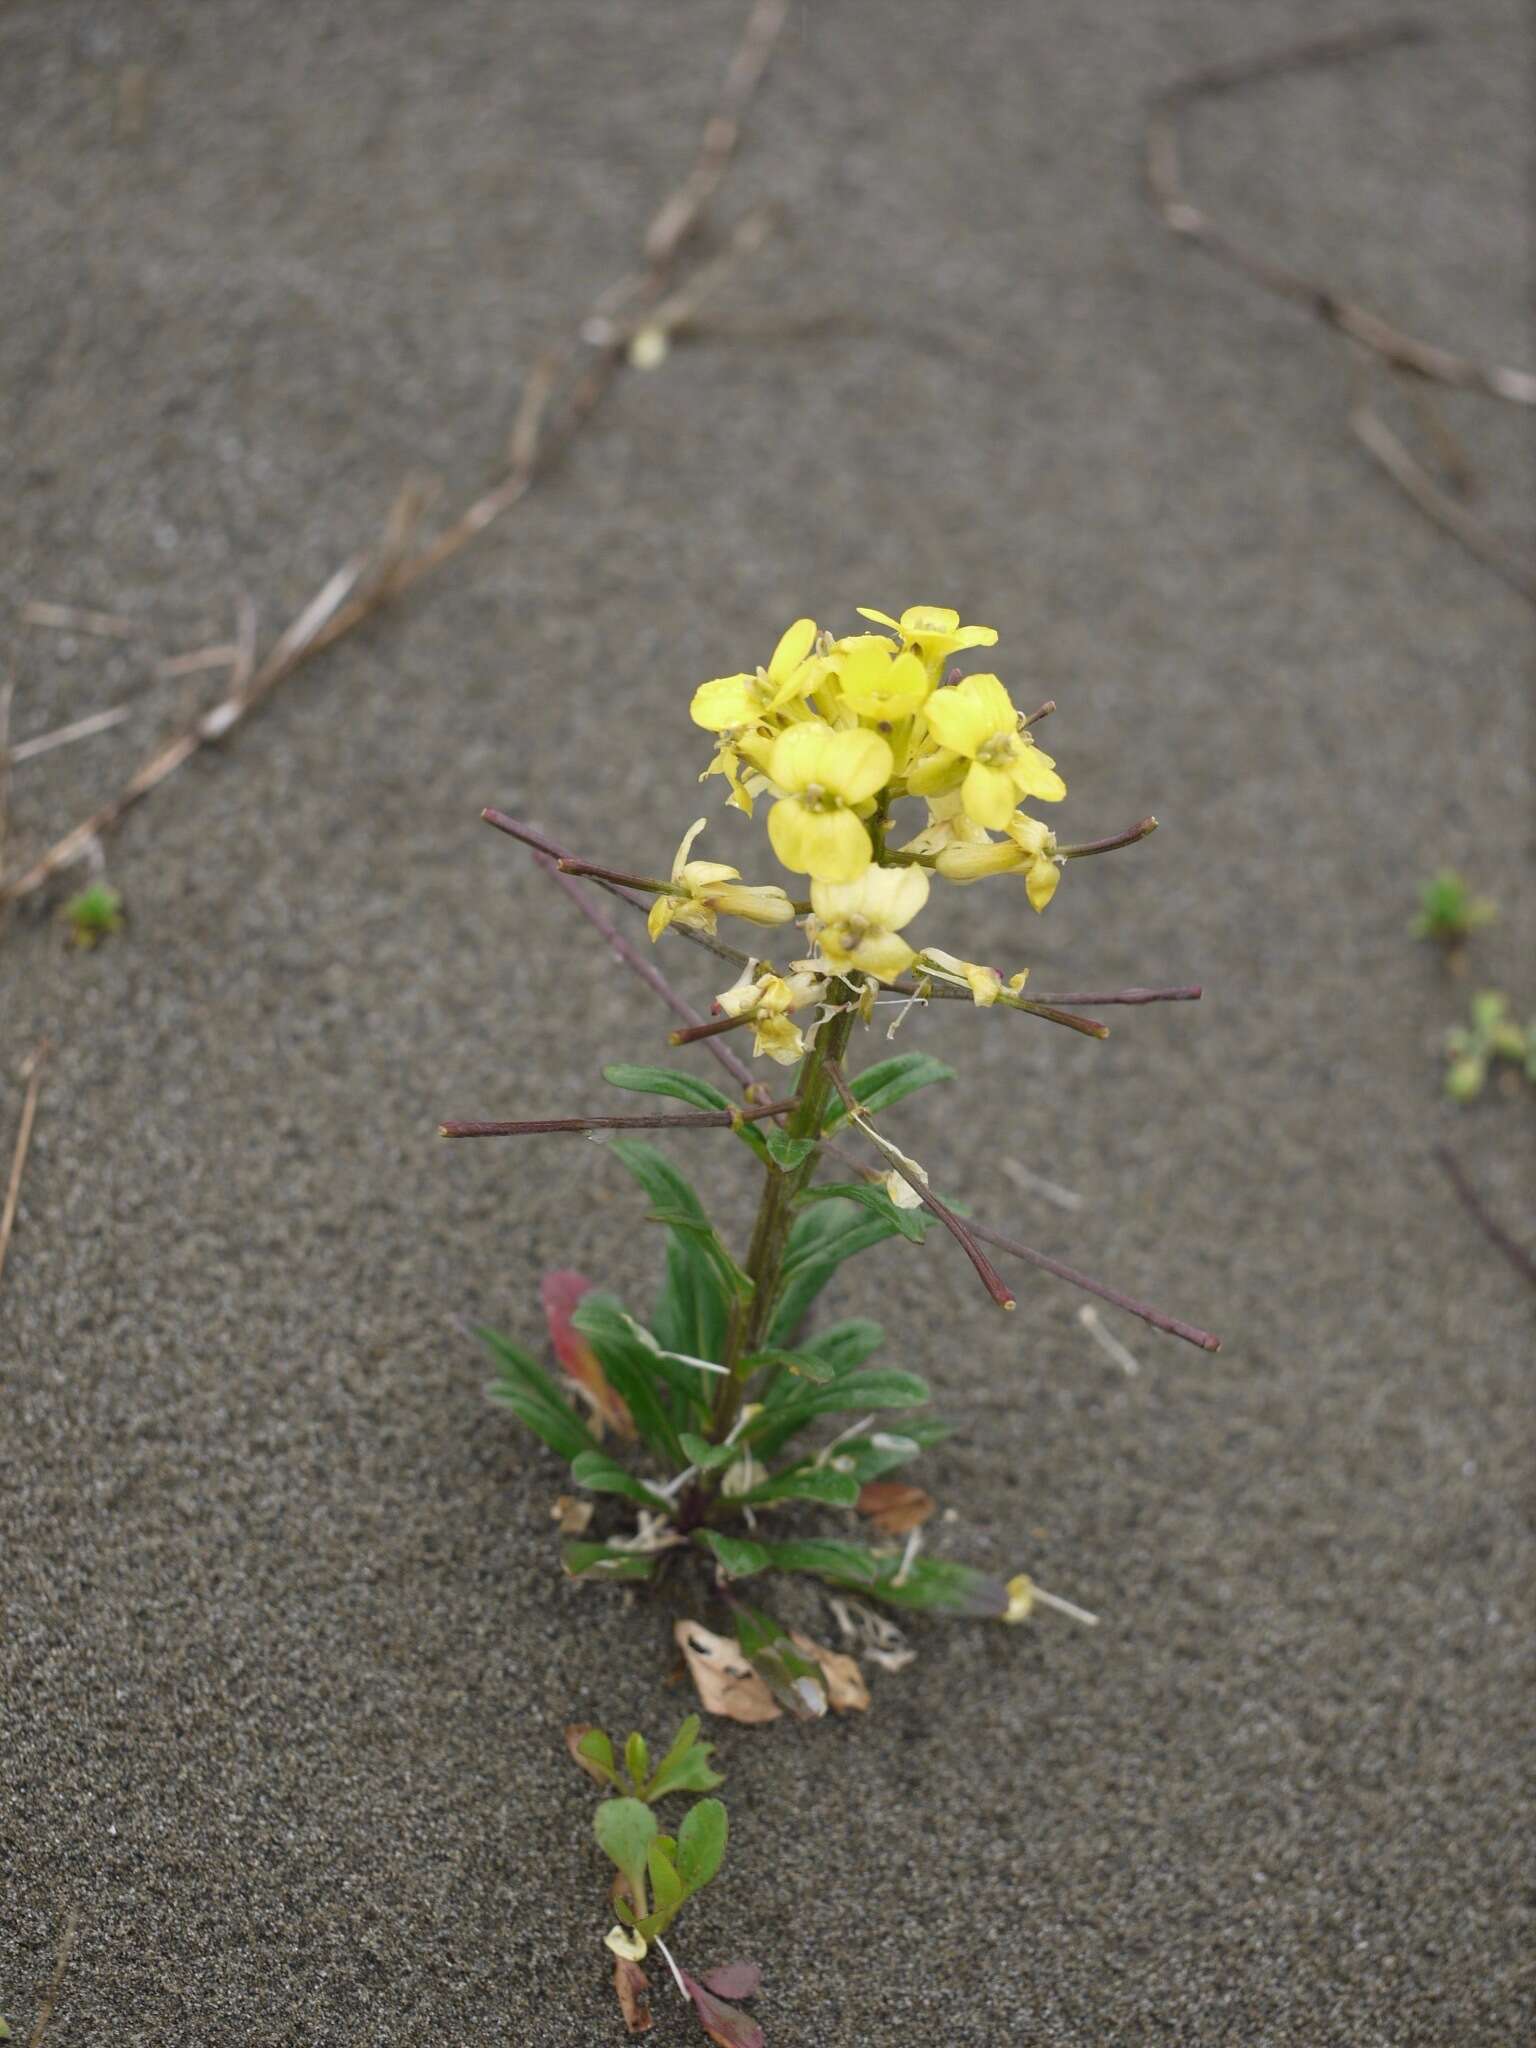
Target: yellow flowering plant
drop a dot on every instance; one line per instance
(719, 1400)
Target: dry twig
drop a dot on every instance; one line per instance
(1414, 362)
(360, 588)
(34, 1079)
(66, 735)
(60, 1964)
(1483, 1216)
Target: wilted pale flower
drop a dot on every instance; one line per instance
(712, 888)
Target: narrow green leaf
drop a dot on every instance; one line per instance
(674, 1203)
(843, 1345)
(693, 1310)
(935, 1585)
(800, 1365)
(625, 1829)
(528, 1390)
(737, 1556)
(603, 1561)
(701, 1844)
(599, 1473)
(843, 1564)
(889, 1081)
(871, 1457)
(637, 1761)
(822, 1237)
(667, 1887)
(912, 1223)
(707, 1456)
(806, 1482)
(666, 1081)
(790, 1407)
(633, 1371)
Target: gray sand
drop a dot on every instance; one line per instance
(285, 1658)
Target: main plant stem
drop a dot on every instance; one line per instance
(750, 1319)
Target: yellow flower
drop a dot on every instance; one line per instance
(855, 923)
(712, 888)
(1030, 850)
(975, 722)
(947, 826)
(730, 702)
(984, 983)
(933, 633)
(768, 999)
(823, 775)
(875, 681)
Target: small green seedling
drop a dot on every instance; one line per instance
(1491, 1039)
(1448, 911)
(95, 914)
(658, 1873)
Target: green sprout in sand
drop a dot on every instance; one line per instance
(1449, 913)
(95, 914)
(1491, 1040)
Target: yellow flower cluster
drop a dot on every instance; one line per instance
(837, 732)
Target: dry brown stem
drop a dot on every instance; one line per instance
(34, 1077)
(360, 587)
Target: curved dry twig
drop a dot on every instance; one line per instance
(1178, 213)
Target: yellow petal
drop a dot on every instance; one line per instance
(880, 618)
(758, 904)
(830, 844)
(883, 955)
(1021, 1598)
(970, 863)
(663, 910)
(1040, 882)
(792, 649)
(989, 795)
(887, 897)
(680, 858)
(857, 765)
(968, 714)
(727, 701)
(798, 755)
(938, 772)
(1033, 775)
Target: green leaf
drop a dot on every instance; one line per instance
(844, 1345)
(599, 1473)
(805, 1482)
(889, 1081)
(790, 1407)
(685, 1767)
(794, 1681)
(633, 1370)
(667, 1081)
(693, 1310)
(527, 1389)
(667, 1886)
(931, 1584)
(842, 1564)
(625, 1830)
(604, 1561)
(822, 1237)
(674, 1203)
(912, 1223)
(707, 1456)
(800, 1365)
(786, 1152)
(701, 1844)
(736, 1556)
(637, 1761)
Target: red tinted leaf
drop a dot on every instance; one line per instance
(634, 1993)
(723, 2023)
(733, 1980)
(560, 1292)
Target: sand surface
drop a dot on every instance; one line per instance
(285, 1659)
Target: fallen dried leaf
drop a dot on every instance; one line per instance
(723, 2023)
(634, 1994)
(572, 1517)
(560, 1292)
(846, 1691)
(733, 1980)
(873, 1634)
(722, 1677)
(895, 1505)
